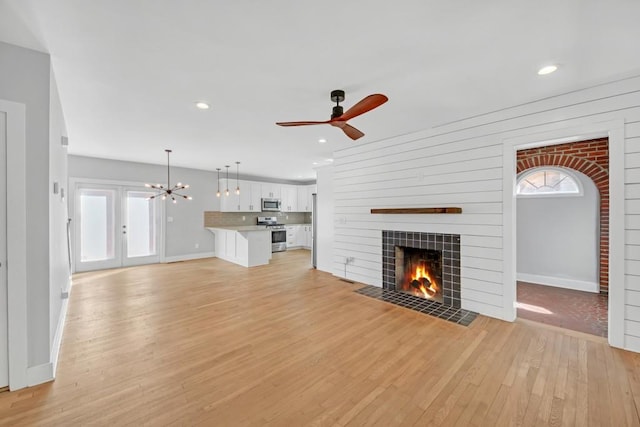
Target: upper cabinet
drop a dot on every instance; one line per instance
(271, 191)
(294, 198)
(305, 197)
(250, 195)
(230, 203)
(289, 198)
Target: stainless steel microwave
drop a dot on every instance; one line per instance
(270, 205)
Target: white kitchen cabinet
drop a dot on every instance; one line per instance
(304, 236)
(292, 235)
(271, 191)
(230, 203)
(250, 195)
(289, 197)
(298, 236)
(246, 246)
(305, 197)
(301, 237)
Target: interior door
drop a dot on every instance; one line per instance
(116, 226)
(4, 329)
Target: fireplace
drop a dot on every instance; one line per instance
(403, 251)
(419, 272)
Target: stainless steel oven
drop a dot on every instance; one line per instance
(270, 205)
(278, 232)
(278, 239)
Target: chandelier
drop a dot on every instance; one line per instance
(168, 191)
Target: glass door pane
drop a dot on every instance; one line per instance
(140, 224)
(97, 227)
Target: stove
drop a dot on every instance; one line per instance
(278, 232)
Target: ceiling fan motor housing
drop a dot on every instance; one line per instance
(337, 111)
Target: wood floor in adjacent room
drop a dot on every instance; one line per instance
(211, 343)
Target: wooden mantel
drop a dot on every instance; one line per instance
(417, 211)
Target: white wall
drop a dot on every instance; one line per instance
(461, 164)
(558, 238)
(24, 78)
(59, 279)
(324, 219)
(187, 228)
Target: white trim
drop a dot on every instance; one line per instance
(16, 243)
(57, 338)
(189, 257)
(614, 130)
(559, 282)
(39, 374)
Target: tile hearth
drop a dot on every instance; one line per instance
(448, 245)
(432, 308)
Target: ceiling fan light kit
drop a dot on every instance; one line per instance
(168, 191)
(339, 117)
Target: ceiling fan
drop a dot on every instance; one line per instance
(339, 118)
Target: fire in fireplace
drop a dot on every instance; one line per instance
(419, 272)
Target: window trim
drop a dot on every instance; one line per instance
(569, 172)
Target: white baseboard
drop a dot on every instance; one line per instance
(189, 257)
(39, 374)
(559, 282)
(57, 338)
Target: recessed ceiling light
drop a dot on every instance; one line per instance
(322, 140)
(329, 160)
(202, 105)
(315, 163)
(547, 70)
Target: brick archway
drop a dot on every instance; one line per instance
(592, 159)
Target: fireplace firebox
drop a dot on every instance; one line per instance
(419, 272)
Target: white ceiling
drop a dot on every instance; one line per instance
(130, 71)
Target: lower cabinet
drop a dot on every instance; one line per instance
(298, 236)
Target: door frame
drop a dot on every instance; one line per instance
(75, 182)
(614, 130)
(16, 243)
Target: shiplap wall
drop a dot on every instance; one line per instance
(461, 164)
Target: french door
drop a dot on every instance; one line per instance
(116, 226)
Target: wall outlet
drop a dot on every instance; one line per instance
(286, 217)
(169, 219)
(244, 217)
(197, 245)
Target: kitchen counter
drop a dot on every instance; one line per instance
(240, 228)
(248, 245)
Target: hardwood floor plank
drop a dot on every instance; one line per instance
(207, 342)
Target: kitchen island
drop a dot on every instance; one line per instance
(248, 246)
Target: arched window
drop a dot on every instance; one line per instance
(548, 181)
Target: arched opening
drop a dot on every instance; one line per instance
(562, 235)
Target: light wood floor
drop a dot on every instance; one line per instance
(211, 343)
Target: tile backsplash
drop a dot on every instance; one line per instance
(227, 219)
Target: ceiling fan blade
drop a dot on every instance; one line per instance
(301, 123)
(366, 104)
(351, 132)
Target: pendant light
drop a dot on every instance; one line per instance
(226, 192)
(218, 193)
(168, 191)
(237, 179)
